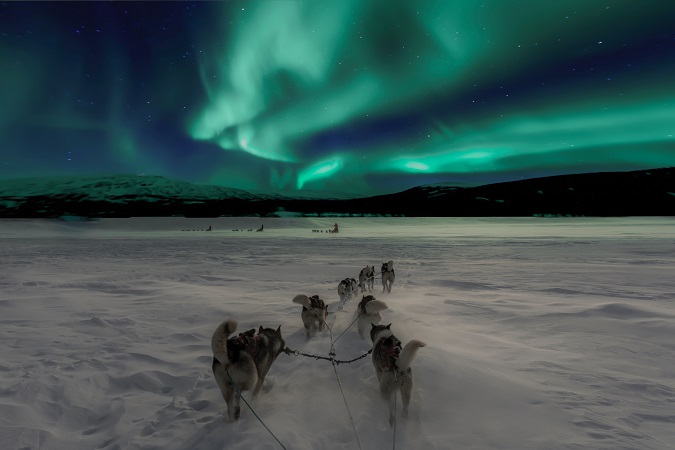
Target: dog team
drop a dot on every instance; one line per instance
(241, 363)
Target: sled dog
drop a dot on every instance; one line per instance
(347, 288)
(388, 275)
(314, 312)
(392, 366)
(367, 278)
(241, 363)
(369, 313)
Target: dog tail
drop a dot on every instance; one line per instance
(375, 306)
(219, 340)
(303, 300)
(408, 354)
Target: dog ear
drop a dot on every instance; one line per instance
(279, 331)
(372, 325)
(260, 330)
(388, 327)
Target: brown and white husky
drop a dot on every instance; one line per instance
(241, 363)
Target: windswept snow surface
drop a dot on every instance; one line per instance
(541, 333)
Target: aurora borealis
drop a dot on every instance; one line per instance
(353, 96)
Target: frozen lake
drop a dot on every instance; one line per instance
(542, 333)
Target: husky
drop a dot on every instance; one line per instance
(388, 275)
(241, 363)
(314, 312)
(367, 278)
(369, 313)
(347, 288)
(392, 367)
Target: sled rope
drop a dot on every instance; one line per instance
(288, 351)
(339, 308)
(351, 419)
(345, 330)
(394, 438)
(334, 363)
(251, 408)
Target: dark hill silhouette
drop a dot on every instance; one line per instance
(637, 193)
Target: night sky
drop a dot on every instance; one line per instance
(354, 96)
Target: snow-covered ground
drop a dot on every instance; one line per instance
(541, 333)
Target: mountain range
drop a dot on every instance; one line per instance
(635, 193)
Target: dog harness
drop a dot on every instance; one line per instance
(247, 340)
(388, 349)
(362, 303)
(316, 302)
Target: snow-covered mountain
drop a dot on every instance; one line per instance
(116, 187)
(112, 196)
(648, 192)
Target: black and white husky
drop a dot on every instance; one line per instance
(388, 275)
(241, 363)
(347, 288)
(314, 312)
(369, 313)
(392, 366)
(367, 278)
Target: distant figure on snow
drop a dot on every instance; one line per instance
(209, 228)
(335, 228)
(261, 228)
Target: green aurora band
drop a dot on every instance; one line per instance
(293, 69)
